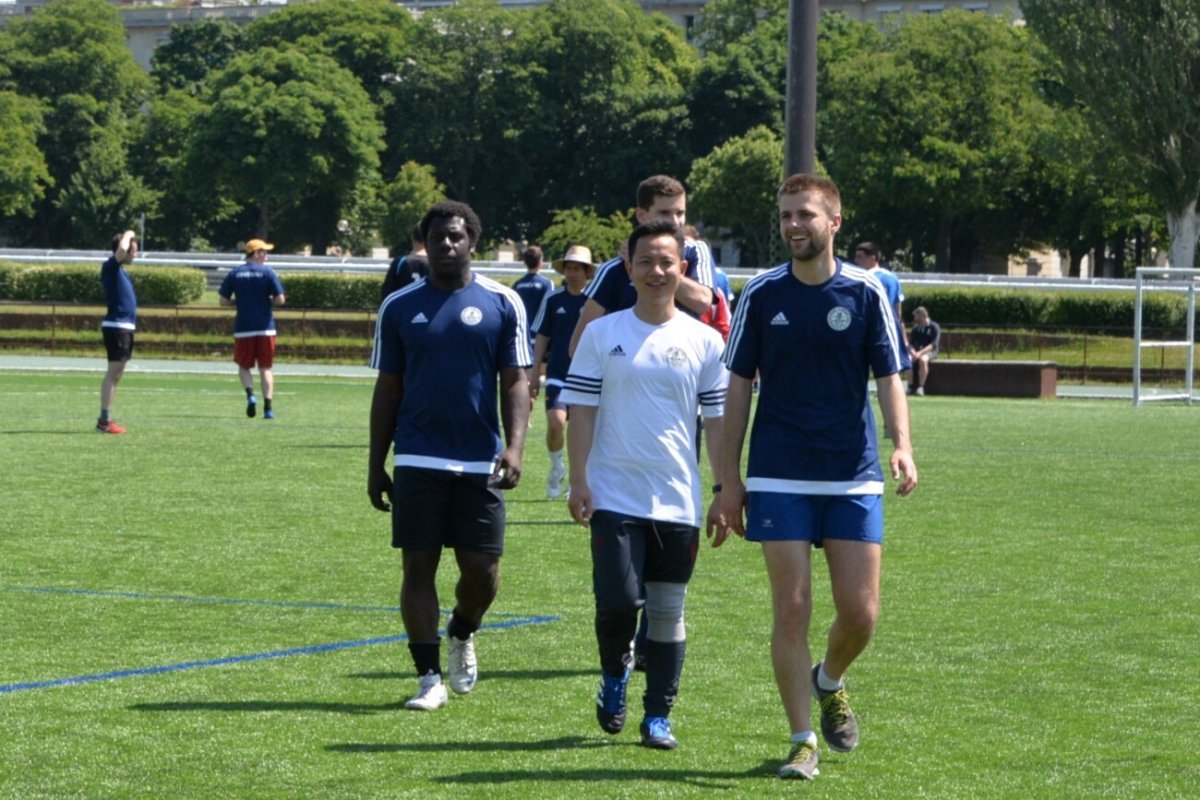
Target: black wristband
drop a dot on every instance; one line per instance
(716, 488)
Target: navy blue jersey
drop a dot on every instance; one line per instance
(119, 295)
(614, 291)
(253, 285)
(533, 288)
(556, 321)
(813, 348)
(450, 347)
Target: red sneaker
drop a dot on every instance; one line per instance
(109, 427)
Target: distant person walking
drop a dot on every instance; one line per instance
(120, 321)
(407, 268)
(255, 290)
(533, 286)
(923, 344)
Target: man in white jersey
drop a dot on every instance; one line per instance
(814, 328)
(442, 344)
(634, 386)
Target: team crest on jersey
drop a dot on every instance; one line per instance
(675, 357)
(838, 318)
(471, 316)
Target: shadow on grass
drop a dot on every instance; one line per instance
(714, 779)
(489, 675)
(82, 432)
(258, 706)
(561, 743)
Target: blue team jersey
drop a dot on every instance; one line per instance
(533, 288)
(253, 285)
(813, 348)
(612, 288)
(449, 347)
(119, 295)
(556, 321)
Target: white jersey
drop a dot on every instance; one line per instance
(648, 382)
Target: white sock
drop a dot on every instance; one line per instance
(556, 459)
(804, 736)
(825, 682)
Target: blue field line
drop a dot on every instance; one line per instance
(182, 598)
(12, 688)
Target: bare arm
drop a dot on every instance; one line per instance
(714, 428)
(514, 417)
(731, 502)
(278, 299)
(389, 391)
(228, 301)
(694, 296)
(540, 345)
(590, 312)
(580, 434)
(894, 406)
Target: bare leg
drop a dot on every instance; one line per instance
(854, 578)
(478, 583)
(268, 382)
(418, 594)
(247, 379)
(790, 573)
(556, 423)
(108, 387)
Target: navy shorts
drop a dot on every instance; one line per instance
(552, 401)
(784, 517)
(434, 508)
(118, 343)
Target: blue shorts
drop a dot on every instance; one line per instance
(783, 517)
(552, 401)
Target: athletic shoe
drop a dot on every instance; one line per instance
(920, 391)
(656, 733)
(838, 723)
(610, 702)
(463, 671)
(431, 694)
(554, 482)
(801, 762)
(268, 414)
(251, 406)
(109, 427)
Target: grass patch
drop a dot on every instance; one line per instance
(1037, 640)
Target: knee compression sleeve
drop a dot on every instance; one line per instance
(664, 609)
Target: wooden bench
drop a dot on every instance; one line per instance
(993, 378)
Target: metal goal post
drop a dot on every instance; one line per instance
(1170, 280)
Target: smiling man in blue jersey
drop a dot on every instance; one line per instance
(255, 290)
(553, 327)
(120, 321)
(442, 346)
(814, 328)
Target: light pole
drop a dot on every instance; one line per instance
(800, 149)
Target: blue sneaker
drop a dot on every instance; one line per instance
(610, 702)
(656, 733)
(268, 414)
(251, 406)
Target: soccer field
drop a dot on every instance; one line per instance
(205, 608)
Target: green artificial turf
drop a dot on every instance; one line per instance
(1038, 637)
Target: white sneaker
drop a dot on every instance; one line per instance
(463, 671)
(431, 694)
(554, 482)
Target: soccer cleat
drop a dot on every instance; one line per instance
(463, 671)
(554, 482)
(431, 694)
(656, 734)
(109, 427)
(610, 702)
(251, 406)
(838, 723)
(920, 391)
(801, 762)
(268, 414)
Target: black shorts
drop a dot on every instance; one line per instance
(628, 552)
(118, 343)
(433, 508)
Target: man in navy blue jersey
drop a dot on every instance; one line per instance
(814, 328)
(442, 345)
(533, 287)
(120, 321)
(552, 328)
(255, 290)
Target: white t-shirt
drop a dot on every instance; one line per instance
(648, 381)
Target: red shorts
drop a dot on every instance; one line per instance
(249, 349)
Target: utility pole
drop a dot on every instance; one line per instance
(800, 149)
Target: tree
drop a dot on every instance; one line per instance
(193, 51)
(71, 55)
(287, 133)
(23, 173)
(602, 235)
(735, 187)
(405, 200)
(1135, 67)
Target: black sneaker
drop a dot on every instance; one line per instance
(251, 406)
(838, 723)
(610, 702)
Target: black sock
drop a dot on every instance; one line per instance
(267, 403)
(459, 628)
(250, 393)
(426, 656)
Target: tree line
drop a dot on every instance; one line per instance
(336, 122)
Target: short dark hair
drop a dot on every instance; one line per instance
(804, 182)
(532, 256)
(452, 208)
(870, 248)
(657, 186)
(652, 229)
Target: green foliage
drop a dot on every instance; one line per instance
(735, 187)
(23, 174)
(1012, 307)
(80, 283)
(193, 51)
(604, 236)
(103, 195)
(317, 290)
(405, 200)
